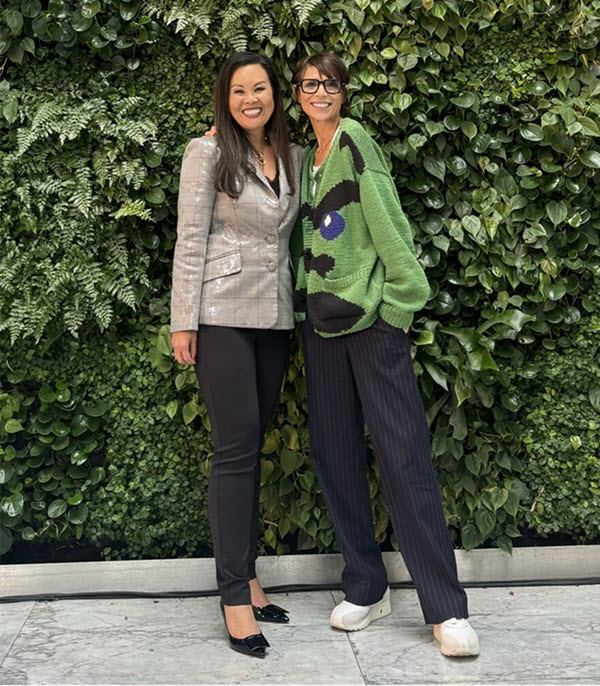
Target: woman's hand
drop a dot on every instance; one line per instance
(212, 132)
(184, 346)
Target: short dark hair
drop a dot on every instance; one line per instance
(232, 166)
(327, 63)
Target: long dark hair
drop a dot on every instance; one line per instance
(234, 146)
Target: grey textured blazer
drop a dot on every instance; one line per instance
(231, 265)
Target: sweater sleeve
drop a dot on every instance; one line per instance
(406, 289)
(194, 209)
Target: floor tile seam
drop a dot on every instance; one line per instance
(18, 633)
(360, 671)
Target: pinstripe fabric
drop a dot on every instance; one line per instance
(370, 373)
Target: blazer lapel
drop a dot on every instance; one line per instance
(284, 186)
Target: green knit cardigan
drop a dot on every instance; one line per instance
(352, 247)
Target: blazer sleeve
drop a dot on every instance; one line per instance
(406, 289)
(195, 204)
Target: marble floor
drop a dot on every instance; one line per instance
(542, 635)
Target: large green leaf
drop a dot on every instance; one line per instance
(594, 394)
(486, 521)
(591, 158)
(12, 504)
(57, 508)
(435, 167)
(6, 540)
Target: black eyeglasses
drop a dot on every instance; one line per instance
(310, 86)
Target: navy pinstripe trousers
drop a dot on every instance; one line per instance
(369, 376)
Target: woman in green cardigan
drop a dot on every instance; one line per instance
(359, 284)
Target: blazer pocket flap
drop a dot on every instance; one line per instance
(222, 265)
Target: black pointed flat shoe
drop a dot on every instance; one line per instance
(271, 613)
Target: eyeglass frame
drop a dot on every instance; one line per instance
(321, 82)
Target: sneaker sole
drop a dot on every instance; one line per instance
(381, 609)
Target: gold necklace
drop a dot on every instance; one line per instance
(260, 157)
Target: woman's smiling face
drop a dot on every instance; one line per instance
(251, 97)
(320, 106)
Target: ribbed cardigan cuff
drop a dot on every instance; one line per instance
(401, 319)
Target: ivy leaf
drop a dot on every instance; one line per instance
(594, 394)
(407, 62)
(459, 423)
(47, 394)
(290, 436)
(557, 212)
(266, 471)
(12, 426)
(435, 167)
(96, 409)
(272, 442)
(472, 463)
(190, 412)
(498, 497)
(512, 503)
(532, 132)
(554, 291)
(470, 536)
(31, 8)
(75, 499)
(28, 534)
(14, 21)
(10, 110)
(464, 101)
(591, 158)
(13, 504)
(57, 508)
(78, 514)
(289, 461)
(505, 183)
(6, 540)
(456, 165)
(172, 407)
(485, 520)
(469, 129)
(6, 471)
(505, 544)
(156, 196)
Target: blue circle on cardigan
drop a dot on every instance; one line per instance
(332, 225)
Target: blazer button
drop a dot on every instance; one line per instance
(271, 238)
(272, 267)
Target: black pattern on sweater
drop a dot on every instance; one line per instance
(320, 264)
(346, 141)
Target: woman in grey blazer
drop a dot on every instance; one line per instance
(231, 311)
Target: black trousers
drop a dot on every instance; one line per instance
(240, 373)
(369, 376)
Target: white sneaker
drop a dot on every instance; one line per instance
(350, 617)
(457, 638)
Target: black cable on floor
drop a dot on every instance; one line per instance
(289, 588)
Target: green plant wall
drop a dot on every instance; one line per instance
(489, 114)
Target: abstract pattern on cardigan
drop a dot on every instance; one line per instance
(358, 257)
